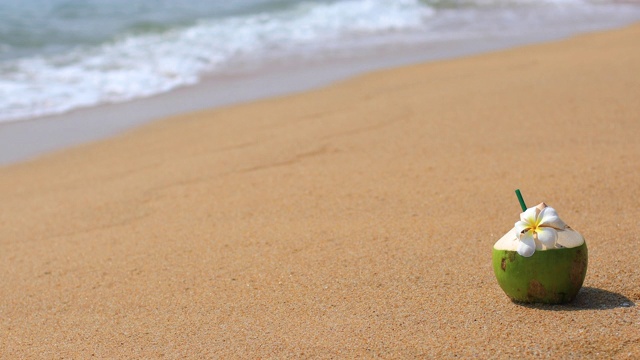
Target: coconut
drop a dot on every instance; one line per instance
(550, 275)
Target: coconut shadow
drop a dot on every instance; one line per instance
(589, 298)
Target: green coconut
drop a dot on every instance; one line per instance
(552, 276)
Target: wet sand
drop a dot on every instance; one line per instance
(352, 221)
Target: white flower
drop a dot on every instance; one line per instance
(537, 229)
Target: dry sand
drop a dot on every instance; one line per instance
(352, 221)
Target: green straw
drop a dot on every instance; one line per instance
(521, 200)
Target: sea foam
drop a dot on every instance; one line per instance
(134, 64)
(141, 65)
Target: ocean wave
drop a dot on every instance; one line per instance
(149, 63)
(149, 59)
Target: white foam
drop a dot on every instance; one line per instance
(142, 65)
(138, 66)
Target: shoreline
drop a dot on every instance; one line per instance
(356, 220)
(24, 140)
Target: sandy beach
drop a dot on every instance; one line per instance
(353, 221)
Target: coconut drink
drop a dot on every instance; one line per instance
(540, 260)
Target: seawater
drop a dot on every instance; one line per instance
(60, 55)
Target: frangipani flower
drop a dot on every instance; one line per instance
(536, 228)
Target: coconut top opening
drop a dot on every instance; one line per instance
(537, 220)
(567, 238)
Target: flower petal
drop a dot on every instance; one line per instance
(529, 215)
(547, 236)
(521, 226)
(549, 217)
(527, 244)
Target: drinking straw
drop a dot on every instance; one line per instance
(521, 200)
